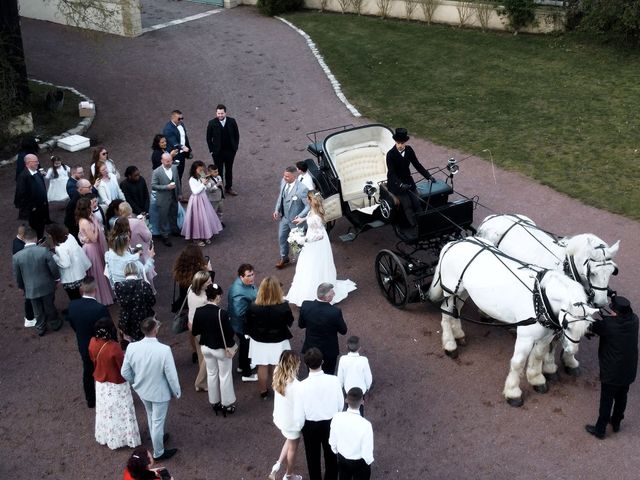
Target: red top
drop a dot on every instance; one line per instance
(127, 475)
(107, 358)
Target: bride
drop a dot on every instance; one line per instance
(315, 262)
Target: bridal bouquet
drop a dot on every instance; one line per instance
(296, 240)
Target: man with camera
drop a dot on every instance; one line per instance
(177, 139)
(399, 179)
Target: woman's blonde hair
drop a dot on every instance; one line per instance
(125, 209)
(286, 370)
(315, 203)
(199, 280)
(270, 292)
(121, 244)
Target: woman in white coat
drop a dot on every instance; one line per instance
(72, 262)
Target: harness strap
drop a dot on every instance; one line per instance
(526, 223)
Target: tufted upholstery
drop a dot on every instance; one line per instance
(332, 208)
(358, 164)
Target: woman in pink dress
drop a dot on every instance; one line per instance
(201, 222)
(94, 244)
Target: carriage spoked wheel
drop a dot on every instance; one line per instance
(392, 278)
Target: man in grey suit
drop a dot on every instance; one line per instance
(36, 273)
(149, 367)
(291, 206)
(166, 183)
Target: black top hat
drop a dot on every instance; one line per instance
(401, 135)
(621, 305)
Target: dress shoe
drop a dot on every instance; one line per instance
(592, 430)
(42, 332)
(615, 427)
(168, 453)
(282, 263)
(91, 404)
(167, 242)
(231, 191)
(29, 323)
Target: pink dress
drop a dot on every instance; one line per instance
(140, 234)
(95, 252)
(200, 220)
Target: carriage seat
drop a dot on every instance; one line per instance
(358, 164)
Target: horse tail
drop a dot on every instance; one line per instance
(436, 292)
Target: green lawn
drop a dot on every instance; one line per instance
(557, 108)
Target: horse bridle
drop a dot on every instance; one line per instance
(571, 270)
(565, 323)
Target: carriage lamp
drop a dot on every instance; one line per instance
(369, 190)
(452, 166)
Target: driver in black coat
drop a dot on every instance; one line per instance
(399, 179)
(618, 356)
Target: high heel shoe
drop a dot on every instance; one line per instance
(230, 409)
(217, 407)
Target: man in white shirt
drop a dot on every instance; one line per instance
(305, 176)
(351, 438)
(353, 369)
(318, 399)
(176, 135)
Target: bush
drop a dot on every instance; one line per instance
(618, 19)
(520, 13)
(277, 7)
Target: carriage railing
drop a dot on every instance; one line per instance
(316, 147)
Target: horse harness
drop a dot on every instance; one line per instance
(526, 224)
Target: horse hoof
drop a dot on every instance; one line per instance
(462, 341)
(573, 372)
(451, 353)
(515, 402)
(551, 377)
(544, 388)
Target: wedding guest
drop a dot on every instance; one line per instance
(112, 213)
(175, 132)
(196, 298)
(76, 173)
(139, 467)
(136, 300)
(241, 294)
(268, 320)
(29, 145)
(116, 424)
(18, 244)
(285, 386)
(354, 369)
(94, 244)
(189, 262)
(167, 193)
(215, 190)
(83, 189)
(351, 439)
(72, 262)
(216, 336)
(58, 175)
(119, 255)
(139, 234)
(201, 222)
(100, 154)
(135, 190)
(159, 146)
(107, 186)
(304, 176)
(31, 196)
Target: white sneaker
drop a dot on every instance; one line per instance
(292, 477)
(252, 378)
(274, 471)
(29, 323)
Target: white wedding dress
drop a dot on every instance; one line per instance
(315, 266)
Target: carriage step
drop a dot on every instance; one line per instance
(348, 237)
(376, 224)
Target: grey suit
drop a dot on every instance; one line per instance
(166, 199)
(290, 205)
(36, 273)
(150, 369)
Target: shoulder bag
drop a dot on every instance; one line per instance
(230, 352)
(181, 319)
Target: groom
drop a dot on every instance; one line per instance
(292, 205)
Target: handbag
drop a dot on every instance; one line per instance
(229, 352)
(181, 319)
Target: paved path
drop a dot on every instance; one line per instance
(433, 417)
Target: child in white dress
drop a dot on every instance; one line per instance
(58, 175)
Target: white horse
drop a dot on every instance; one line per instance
(585, 258)
(541, 303)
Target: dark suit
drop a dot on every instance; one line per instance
(31, 200)
(82, 316)
(223, 144)
(72, 186)
(400, 181)
(36, 273)
(618, 356)
(137, 194)
(15, 248)
(172, 134)
(323, 322)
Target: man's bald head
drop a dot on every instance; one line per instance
(31, 162)
(167, 160)
(84, 186)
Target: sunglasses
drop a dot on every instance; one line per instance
(104, 153)
(181, 118)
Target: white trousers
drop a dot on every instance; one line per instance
(219, 377)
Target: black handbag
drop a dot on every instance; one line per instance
(181, 320)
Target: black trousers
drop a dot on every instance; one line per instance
(28, 309)
(244, 362)
(38, 218)
(411, 205)
(87, 380)
(329, 365)
(224, 162)
(353, 469)
(181, 158)
(611, 396)
(316, 438)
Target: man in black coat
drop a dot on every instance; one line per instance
(31, 195)
(223, 139)
(399, 179)
(82, 316)
(618, 356)
(175, 133)
(323, 322)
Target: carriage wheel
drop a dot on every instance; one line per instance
(392, 278)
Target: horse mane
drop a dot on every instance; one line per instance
(576, 244)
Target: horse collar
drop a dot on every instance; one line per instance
(542, 307)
